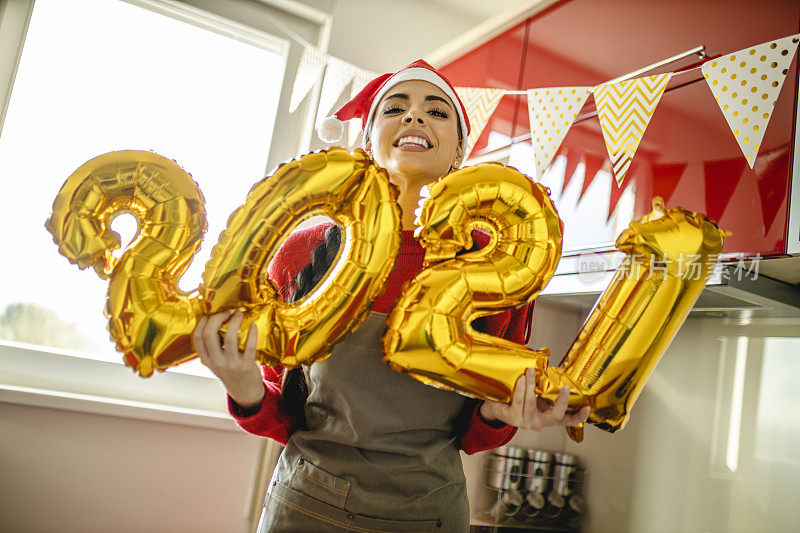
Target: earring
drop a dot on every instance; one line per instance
(456, 163)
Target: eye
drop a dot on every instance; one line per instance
(438, 112)
(392, 109)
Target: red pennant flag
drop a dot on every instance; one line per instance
(573, 158)
(721, 178)
(665, 179)
(771, 168)
(593, 164)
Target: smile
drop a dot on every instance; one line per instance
(413, 142)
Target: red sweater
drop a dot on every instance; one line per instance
(269, 420)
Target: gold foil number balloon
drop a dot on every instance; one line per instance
(669, 257)
(428, 333)
(151, 320)
(357, 195)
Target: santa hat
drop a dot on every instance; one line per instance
(364, 103)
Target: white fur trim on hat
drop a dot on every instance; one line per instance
(424, 74)
(330, 129)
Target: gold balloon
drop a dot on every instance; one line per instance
(357, 195)
(151, 320)
(428, 333)
(669, 257)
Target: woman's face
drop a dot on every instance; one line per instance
(415, 132)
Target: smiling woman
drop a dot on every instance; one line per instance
(368, 448)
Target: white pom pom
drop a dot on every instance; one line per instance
(330, 130)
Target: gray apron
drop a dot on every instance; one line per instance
(380, 453)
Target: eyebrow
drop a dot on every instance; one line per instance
(429, 98)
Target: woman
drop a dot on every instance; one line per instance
(367, 448)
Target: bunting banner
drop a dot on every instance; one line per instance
(309, 70)
(338, 74)
(624, 109)
(480, 103)
(551, 113)
(746, 85)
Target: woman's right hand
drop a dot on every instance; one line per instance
(237, 370)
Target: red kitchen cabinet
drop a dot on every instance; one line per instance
(688, 154)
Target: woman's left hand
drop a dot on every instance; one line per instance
(528, 411)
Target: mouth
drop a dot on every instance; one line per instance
(415, 141)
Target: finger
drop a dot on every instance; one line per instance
(529, 407)
(251, 343)
(560, 406)
(516, 409)
(577, 418)
(211, 336)
(197, 339)
(231, 346)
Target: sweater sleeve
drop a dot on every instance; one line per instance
(481, 434)
(268, 419)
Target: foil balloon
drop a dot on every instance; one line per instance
(428, 333)
(149, 318)
(669, 257)
(151, 321)
(357, 195)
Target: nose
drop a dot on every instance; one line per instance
(410, 116)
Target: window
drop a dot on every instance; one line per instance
(97, 76)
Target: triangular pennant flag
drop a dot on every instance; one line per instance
(360, 79)
(771, 170)
(593, 164)
(551, 112)
(338, 74)
(616, 194)
(573, 158)
(480, 103)
(665, 179)
(721, 178)
(746, 85)
(624, 109)
(308, 72)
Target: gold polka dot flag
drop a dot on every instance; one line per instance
(746, 85)
(625, 109)
(480, 103)
(551, 112)
(360, 79)
(309, 70)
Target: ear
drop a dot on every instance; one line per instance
(460, 153)
(368, 146)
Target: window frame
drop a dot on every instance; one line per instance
(64, 379)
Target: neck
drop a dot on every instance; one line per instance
(408, 198)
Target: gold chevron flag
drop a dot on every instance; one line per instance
(551, 112)
(309, 70)
(480, 103)
(360, 79)
(624, 109)
(746, 85)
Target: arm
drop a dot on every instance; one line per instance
(482, 433)
(254, 391)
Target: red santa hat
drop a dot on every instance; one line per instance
(364, 103)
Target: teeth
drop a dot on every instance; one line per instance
(419, 141)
